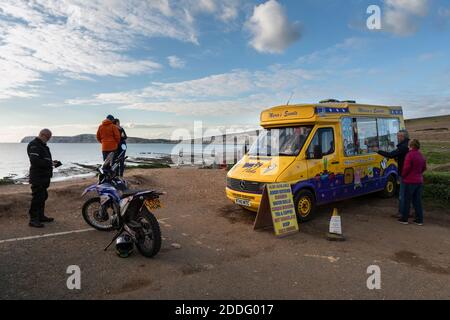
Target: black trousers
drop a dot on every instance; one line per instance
(106, 154)
(121, 161)
(39, 196)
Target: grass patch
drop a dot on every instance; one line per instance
(436, 153)
(437, 187)
(434, 157)
(150, 166)
(437, 178)
(6, 181)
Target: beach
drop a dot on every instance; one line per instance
(210, 250)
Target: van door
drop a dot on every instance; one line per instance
(323, 161)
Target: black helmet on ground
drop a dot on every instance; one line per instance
(124, 246)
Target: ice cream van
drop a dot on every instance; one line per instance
(326, 151)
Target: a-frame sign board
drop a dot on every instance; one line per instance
(277, 210)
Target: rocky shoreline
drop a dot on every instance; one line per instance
(81, 170)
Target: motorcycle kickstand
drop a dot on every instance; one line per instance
(115, 238)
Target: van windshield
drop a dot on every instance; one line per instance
(287, 141)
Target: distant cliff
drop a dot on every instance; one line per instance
(90, 138)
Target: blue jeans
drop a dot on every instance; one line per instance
(413, 193)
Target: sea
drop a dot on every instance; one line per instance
(79, 158)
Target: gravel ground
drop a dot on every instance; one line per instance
(210, 250)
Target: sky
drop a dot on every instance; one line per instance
(162, 65)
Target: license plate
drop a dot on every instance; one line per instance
(153, 204)
(242, 202)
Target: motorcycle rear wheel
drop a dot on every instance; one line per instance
(150, 245)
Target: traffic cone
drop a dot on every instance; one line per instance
(335, 231)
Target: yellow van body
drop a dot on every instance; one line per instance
(334, 155)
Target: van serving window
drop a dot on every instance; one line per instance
(368, 135)
(348, 135)
(387, 133)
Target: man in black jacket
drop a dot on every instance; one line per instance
(399, 155)
(41, 171)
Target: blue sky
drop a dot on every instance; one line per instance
(161, 65)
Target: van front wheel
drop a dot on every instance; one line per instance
(305, 205)
(390, 188)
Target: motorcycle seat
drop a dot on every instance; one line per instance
(129, 193)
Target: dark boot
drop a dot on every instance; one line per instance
(43, 218)
(35, 224)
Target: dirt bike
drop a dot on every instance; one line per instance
(127, 211)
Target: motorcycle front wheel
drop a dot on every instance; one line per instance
(96, 216)
(149, 234)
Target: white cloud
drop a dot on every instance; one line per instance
(81, 39)
(270, 28)
(13, 79)
(423, 105)
(207, 5)
(429, 56)
(444, 12)
(229, 13)
(225, 11)
(238, 91)
(176, 62)
(198, 108)
(336, 54)
(311, 78)
(402, 17)
(416, 7)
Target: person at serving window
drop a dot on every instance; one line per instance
(399, 154)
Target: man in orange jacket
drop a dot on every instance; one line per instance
(109, 136)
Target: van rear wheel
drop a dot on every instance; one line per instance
(305, 205)
(390, 188)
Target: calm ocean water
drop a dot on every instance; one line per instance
(14, 160)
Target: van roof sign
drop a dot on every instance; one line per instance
(311, 113)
